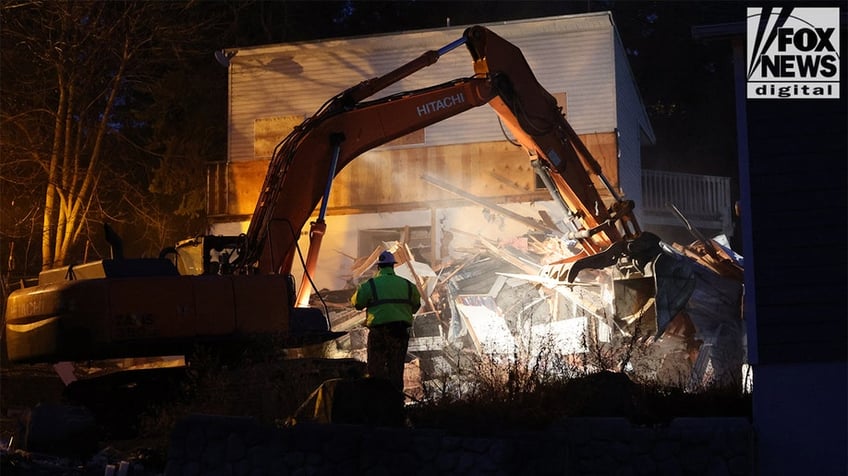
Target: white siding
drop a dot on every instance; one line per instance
(634, 129)
(568, 54)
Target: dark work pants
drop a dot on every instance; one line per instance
(387, 345)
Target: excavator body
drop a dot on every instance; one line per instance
(226, 289)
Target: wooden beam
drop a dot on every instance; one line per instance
(526, 267)
(419, 283)
(358, 269)
(491, 206)
(459, 268)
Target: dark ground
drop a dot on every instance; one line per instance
(133, 415)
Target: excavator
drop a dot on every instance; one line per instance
(229, 288)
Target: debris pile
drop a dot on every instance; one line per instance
(678, 325)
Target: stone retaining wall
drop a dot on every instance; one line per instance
(211, 445)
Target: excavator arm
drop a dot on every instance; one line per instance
(302, 163)
(131, 307)
(346, 127)
(534, 118)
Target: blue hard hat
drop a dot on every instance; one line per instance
(386, 258)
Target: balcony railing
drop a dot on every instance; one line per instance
(703, 199)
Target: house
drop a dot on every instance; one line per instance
(393, 189)
(792, 168)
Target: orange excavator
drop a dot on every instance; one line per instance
(225, 289)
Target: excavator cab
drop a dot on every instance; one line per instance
(209, 254)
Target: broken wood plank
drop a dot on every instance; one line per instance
(491, 206)
(422, 289)
(366, 264)
(459, 268)
(547, 220)
(345, 320)
(510, 258)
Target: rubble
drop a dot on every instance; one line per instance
(495, 300)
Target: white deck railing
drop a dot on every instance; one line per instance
(703, 199)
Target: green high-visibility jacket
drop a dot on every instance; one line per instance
(388, 298)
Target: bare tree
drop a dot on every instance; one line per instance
(72, 75)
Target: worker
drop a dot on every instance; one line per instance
(391, 302)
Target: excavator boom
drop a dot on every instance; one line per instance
(125, 308)
(306, 152)
(502, 78)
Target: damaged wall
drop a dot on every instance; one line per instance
(273, 87)
(455, 230)
(387, 190)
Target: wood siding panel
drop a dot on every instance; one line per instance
(604, 148)
(246, 180)
(392, 179)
